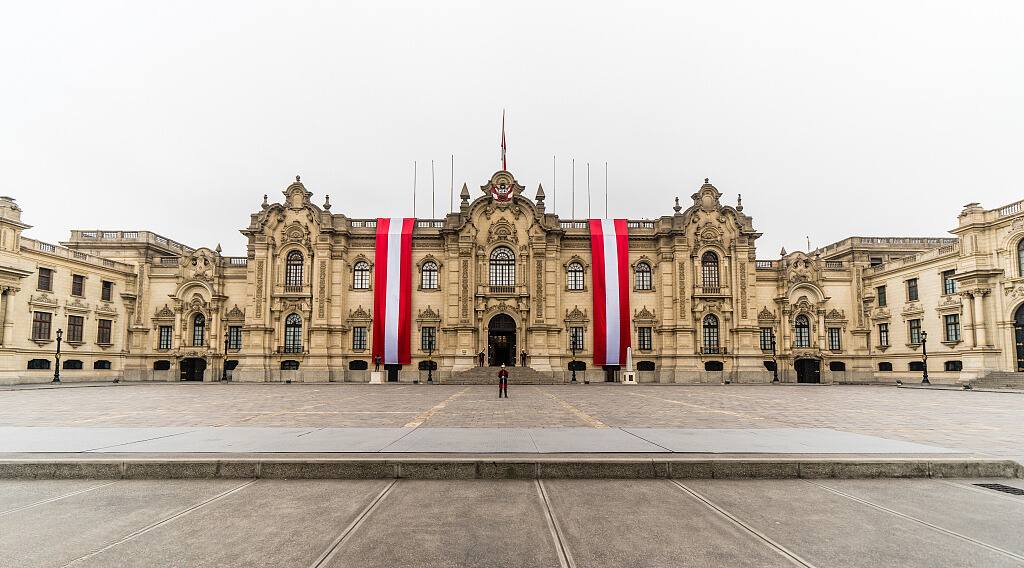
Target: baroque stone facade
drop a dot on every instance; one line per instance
(501, 276)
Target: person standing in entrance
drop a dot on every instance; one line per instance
(480, 357)
(503, 382)
(522, 357)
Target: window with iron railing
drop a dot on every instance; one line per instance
(711, 335)
(802, 328)
(293, 334)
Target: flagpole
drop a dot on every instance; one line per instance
(414, 188)
(573, 209)
(451, 188)
(589, 213)
(554, 186)
(606, 190)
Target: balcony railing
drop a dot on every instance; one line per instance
(294, 289)
(501, 289)
(710, 289)
(707, 350)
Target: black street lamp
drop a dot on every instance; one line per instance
(430, 362)
(775, 361)
(227, 341)
(572, 365)
(924, 357)
(56, 369)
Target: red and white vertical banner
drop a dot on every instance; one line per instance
(392, 290)
(609, 247)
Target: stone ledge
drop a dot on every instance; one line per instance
(547, 467)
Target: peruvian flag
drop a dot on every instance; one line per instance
(392, 290)
(609, 246)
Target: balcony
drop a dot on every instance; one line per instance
(294, 289)
(712, 350)
(508, 290)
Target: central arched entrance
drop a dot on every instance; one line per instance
(1018, 336)
(501, 341)
(193, 369)
(808, 370)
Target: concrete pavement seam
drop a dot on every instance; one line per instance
(164, 521)
(136, 441)
(565, 559)
(988, 492)
(894, 512)
(782, 550)
(57, 498)
(336, 544)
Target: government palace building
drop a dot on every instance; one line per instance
(503, 281)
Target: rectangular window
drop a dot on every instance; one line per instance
(952, 322)
(883, 335)
(915, 331)
(948, 284)
(108, 291)
(77, 285)
(359, 339)
(767, 338)
(428, 338)
(235, 337)
(835, 342)
(876, 260)
(45, 280)
(576, 338)
(912, 290)
(103, 334)
(882, 300)
(165, 337)
(644, 338)
(41, 325)
(76, 328)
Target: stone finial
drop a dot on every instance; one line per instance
(782, 252)
(218, 249)
(739, 202)
(298, 179)
(464, 194)
(677, 208)
(327, 202)
(265, 204)
(707, 180)
(540, 193)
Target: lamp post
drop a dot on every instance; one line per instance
(227, 341)
(572, 365)
(430, 362)
(56, 367)
(775, 361)
(924, 357)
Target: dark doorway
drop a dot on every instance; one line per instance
(501, 341)
(808, 370)
(392, 370)
(193, 369)
(609, 373)
(1018, 336)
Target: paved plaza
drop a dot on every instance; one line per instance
(988, 423)
(538, 523)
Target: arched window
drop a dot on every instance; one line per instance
(199, 330)
(293, 334)
(803, 331)
(710, 334)
(293, 269)
(1020, 257)
(642, 276)
(503, 267)
(574, 276)
(709, 270)
(428, 275)
(361, 275)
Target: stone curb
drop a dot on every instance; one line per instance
(467, 467)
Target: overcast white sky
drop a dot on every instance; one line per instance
(873, 119)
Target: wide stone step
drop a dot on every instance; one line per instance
(516, 376)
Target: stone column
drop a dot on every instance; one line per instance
(979, 317)
(5, 299)
(969, 330)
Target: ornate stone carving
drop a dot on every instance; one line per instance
(259, 289)
(766, 315)
(502, 187)
(235, 313)
(164, 313)
(835, 314)
(322, 295)
(576, 315)
(643, 315)
(428, 314)
(465, 289)
(539, 294)
(359, 315)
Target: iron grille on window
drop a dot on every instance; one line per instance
(803, 331)
(576, 338)
(235, 337)
(165, 337)
(361, 275)
(952, 322)
(883, 334)
(41, 325)
(710, 334)
(428, 338)
(199, 330)
(503, 267)
(915, 331)
(643, 276)
(293, 334)
(293, 269)
(835, 339)
(76, 329)
(574, 276)
(644, 338)
(103, 331)
(767, 338)
(709, 270)
(359, 338)
(428, 276)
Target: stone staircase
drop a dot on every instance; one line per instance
(489, 376)
(1000, 380)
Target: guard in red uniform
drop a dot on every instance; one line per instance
(502, 382)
